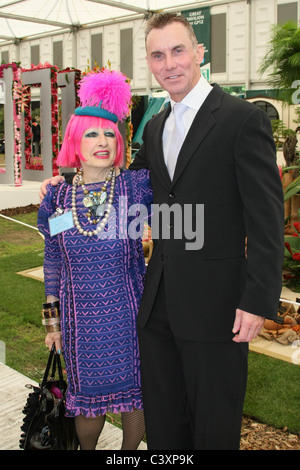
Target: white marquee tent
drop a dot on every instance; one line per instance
(25, 23)
(26, 19)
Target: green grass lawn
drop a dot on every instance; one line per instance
(273, 393)
(21, 298)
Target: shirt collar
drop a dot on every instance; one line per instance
(196, 97)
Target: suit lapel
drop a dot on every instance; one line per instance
(202, 124)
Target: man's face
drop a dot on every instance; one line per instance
(174, 60)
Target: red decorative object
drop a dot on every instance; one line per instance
(21, 104)
(17, 119)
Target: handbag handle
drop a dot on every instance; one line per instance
(56, 361)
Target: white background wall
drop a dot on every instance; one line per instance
(247, 34)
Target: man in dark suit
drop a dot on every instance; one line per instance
(204, 299)
(203, 303)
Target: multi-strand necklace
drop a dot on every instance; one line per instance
(98, 203)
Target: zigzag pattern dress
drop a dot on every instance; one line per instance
(99, 281)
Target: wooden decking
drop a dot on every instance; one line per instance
(13, 396)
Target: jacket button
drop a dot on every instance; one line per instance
(171, 195)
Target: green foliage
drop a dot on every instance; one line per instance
(292, 188)
(279, 131)
(291, 261)
(283, 59)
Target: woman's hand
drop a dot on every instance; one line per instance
(54, 338)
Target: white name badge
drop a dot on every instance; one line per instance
(59, 222)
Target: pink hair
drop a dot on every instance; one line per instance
(70, 155)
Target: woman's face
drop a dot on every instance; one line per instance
(99, 147)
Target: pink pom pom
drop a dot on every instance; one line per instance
(109, 87)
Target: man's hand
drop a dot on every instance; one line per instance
(54, 181)
(246, 326)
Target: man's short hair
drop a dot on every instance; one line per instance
(164, 19)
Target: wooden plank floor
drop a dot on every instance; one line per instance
(13, 396)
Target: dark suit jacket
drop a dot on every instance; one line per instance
(228, 164)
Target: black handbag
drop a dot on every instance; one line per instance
(45, 426)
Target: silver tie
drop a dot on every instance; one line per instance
(177, 137)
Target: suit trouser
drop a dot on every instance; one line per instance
(193, 391)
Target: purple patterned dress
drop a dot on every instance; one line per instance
(99, 281)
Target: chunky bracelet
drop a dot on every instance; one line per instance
(53, 328)
(51, 310)
(51, 316)
(51, 325)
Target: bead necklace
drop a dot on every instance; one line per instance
(95, 202)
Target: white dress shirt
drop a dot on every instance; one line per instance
(194, 99)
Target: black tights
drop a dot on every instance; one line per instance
(89, 429)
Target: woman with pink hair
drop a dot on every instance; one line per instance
(93, 269)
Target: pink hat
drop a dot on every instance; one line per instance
(105, 94)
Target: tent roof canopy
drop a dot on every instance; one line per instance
(27, 19)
